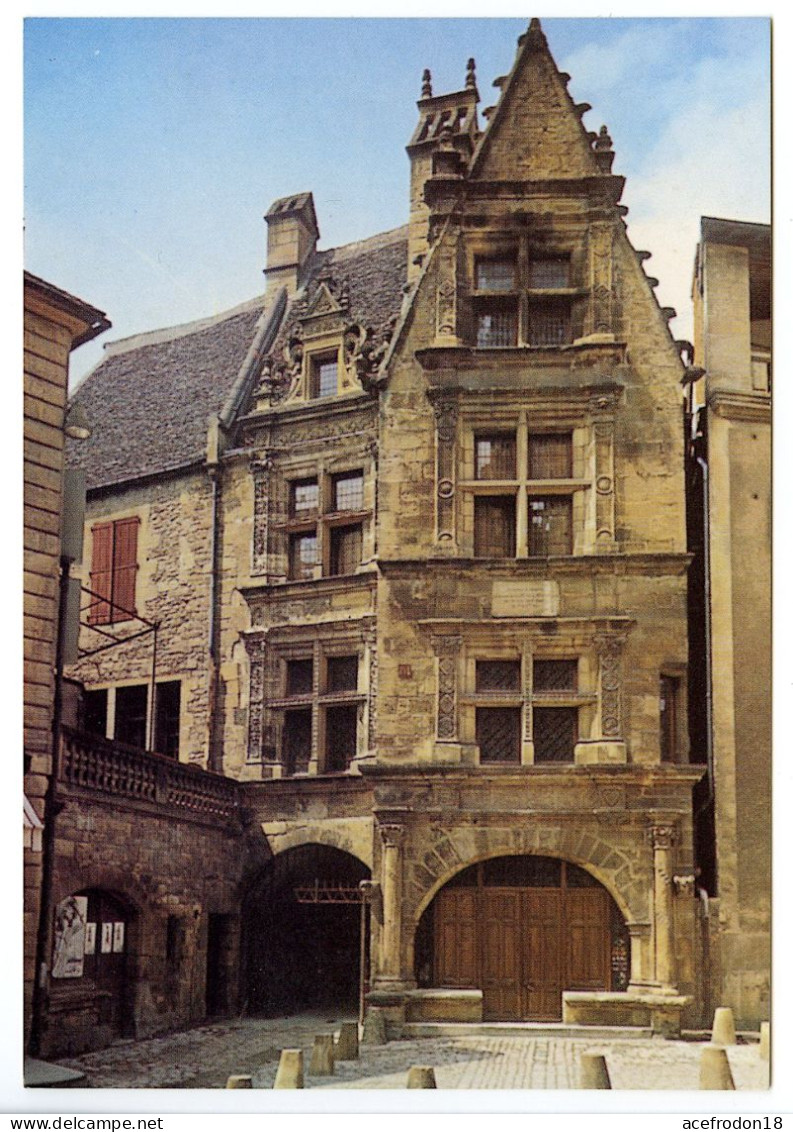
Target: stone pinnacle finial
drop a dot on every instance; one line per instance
(470, 75)
(534, 36)
(426, 85)
(603, 140)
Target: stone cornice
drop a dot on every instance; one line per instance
(652, 565)
(740, 406)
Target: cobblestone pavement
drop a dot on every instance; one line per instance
(206, 1056)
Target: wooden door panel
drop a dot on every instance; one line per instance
(587, 942)
(501, 953)
(543, 954)
(456, 939)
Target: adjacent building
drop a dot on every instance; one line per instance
(729, 471)
(385, 627)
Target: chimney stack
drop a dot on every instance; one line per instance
(292, 235)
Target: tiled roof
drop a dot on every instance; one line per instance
(149, 400)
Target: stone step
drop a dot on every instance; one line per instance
(522, 1030)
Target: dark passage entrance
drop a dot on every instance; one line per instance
(302, 932)
(523, 929)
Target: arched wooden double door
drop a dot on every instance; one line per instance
(523, 929)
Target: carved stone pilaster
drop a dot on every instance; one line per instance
(262, 471)
(447, 649)
(603, 429)
(256, 650)
(601, 279)
(446, 293)
(446, 413)
(370, 640)
(609, 647)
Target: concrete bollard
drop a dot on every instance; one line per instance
(421, 1077)
(374, 1031)
(765, 1041)
(714, 1069)
(347, 1045)
(290, 1070)
(723, 1032)
(239, 1081)
(321, 1064)
(593, 1072)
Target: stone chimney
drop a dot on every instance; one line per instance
(448, 117)
(292, 235)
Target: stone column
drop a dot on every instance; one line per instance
(392, 833)
(663, 837)
(641, 976)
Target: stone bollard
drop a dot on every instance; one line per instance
(321, 1064)
(421, 1077)
(714, 1069)
(374, 1031)
(765, 1041)
(239, 1081)
(593, 1072)
(723, 1032)
(290, 1070)
(347, 1045)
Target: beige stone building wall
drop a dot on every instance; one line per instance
(172, 588)
(732, 344)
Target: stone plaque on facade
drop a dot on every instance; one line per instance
(525, 599)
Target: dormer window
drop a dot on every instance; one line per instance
(325, 376)
(549, 274)
(524, 299)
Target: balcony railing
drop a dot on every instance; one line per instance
(92, 763)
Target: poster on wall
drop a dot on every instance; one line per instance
(90, 939)
(118, 936)
(69, 942)
(107, 938)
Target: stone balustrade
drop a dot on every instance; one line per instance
(90, 762)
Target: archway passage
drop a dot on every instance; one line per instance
(303, 932)
(523, 929)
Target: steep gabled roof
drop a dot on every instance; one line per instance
(150, 399)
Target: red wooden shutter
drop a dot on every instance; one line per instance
(125, 567)
(101, 574)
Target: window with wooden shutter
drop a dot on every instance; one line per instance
(494, 526)
(114, 566)
(101, 574)
(125, 567)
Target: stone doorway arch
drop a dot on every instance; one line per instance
(301, 945)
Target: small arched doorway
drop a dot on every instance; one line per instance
(523, 929)
(302, 925)
(89, 963)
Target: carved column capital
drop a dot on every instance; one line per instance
(662, 836)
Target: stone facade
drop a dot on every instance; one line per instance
(730, 405)
(423, 584)
(55, 323)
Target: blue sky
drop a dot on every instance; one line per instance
(153, 147)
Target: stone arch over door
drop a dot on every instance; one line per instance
(350, 835)
(625, 871)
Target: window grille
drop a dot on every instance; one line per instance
(549, 324)
(303, 555)
(495, 274)
(326, 378)
(545, 274)
(303, 499)
(498, 676)
(555, 675)
(342, 674)
(345, 549)
(496, 328)
(297, 741)
(550, 526)
(494, 526)
(348, 491)
(555, 734)
(551, 456)
(498, 734)
(495, 457)
(299, 677)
